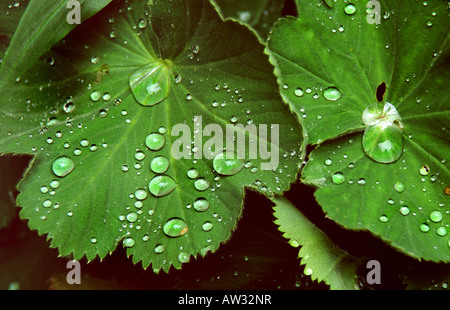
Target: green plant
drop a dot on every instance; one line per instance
(121, 115)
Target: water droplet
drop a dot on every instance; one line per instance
(47, 203)
(429, 23)
(142, 23)
(159, 164)
(332, 94)
(399, 186)
(150, 83)
(55, 184)
(201, 205)
(207, 226)
(44, 189)
(140, 194)
(424, 227)
(62, 166)
(227, 163)
(93, 240)
(404, 210)
(192, 173)
(436, 216)
(383, 138)
(362, 181)
(383, 218)
(161, 185)
(155, 141)
(350, 9)
(441, 231)
(201, 184)
(96, 95)
(298, 92)
(338, 178)
(175, 227)
(328, 162)
(84, 143)
(183, 257)
(132, 217)
(424, 170)
(159, 248)
(308, 271)
(129, 242)
(139, 155)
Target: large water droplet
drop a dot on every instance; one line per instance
(399, 186)
(129, 242)
(383, 138)
(192, 173)
(227, 163)
(155, 141)
(436, 216)
(62, 166)
(201, 184)
(161, 185)
(150, 83)
(332, 94)
(338, 178)
(183, 257)
(201, 204)
(175, 227)
(350, 9)
(159, 164)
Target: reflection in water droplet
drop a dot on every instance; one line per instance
(192, 173)
(207, 226)
(441, 231)
(383, 218)
(96, 95)
(350, 9)
(161, 185)
(159, 164)
(227, 163)
(62, 166)
(128, 242)
(183, 257)
(404, 210)
(424, 170)
(201, 184)
(399, 186)
(155, 141)
(383, 138)
(332, 94)
(140, 194)
(298, 92)
(436, 216)
(201, 205)
(338, 178)
(424, 227)
(175, 227)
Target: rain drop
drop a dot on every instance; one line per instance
(161, 185)
(62, 166)
(175, 227)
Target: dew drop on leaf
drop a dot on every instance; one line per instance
(436, 216)
(399, 186)
(161, 185)
(201, 184)
(128, 242)
(183, 257)
(159, 164)
(155, 141)
(150, 83)
(175, 227)
(350, 9)
(338, 178)
(201, 205)
(159, 248)
(332, 94)
(62, 166)
(192, 173)
(383, 138)
(404, 210)
(227, 163)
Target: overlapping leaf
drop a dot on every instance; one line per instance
(330, 62)
(79, 103)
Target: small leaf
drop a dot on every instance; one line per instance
(323, 260)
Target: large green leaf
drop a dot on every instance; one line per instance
(43, 24)
(323, 260)
(259, 14)
(393, 179)
(102, 124)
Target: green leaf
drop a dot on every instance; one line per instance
(323, 260)
(260, 14)
(42, 25)
(337, 47)
(118, 174)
